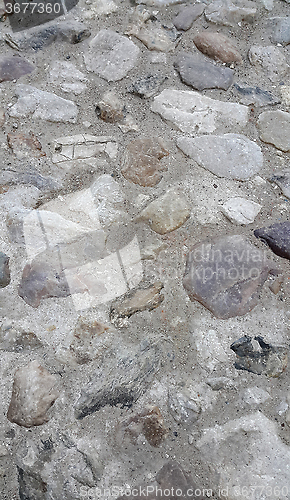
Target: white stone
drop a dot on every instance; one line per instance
(241, 211)
(100, 7)
(194, 113)
(255, 395)
(270, 59)
(65, 75)
(285, 93)
(230, 13)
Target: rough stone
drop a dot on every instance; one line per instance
(25, 173)
(150, 423)
(270, 59)
(173, 478)
(233, 156)
(2, 117)
(167, 213)
(148, 85)
(275, 286)
(101, 7)
(282, 179)
(110, 108)
(285, 94)
(218, 47)
(255, 95)
(270, 360)
(193, 113)
(141, 163)
(4, 270)
(255, 396)
(277, 237)
(201, 73)
(34, 392)
(186, 17)
(13, 68)
(25, 146)
(44, 105)
(111, 55)
(281, 30)
(184, 409)
(209, 276)
(65, 75)
(88, 337)
(241, 211)
(16, 339)
(121, 380)
(230, 13)
(274, 128)
(158, 3)
(146, 298)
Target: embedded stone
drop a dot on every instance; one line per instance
(274, 128)
(277, 238)
(201, 73)
(2, 117)
(110, 108)
(218, 47)
(280, 27)
(150, 423)
(270, 59)
(148, 85)
(282, 179)
(255, 95)
(173, 478)
(183, 408)
(65, 75)
(4, 270)
(16, 339)
(14, 67)
(233, 156)
(88, 337)
(186, 17)
(228, 13)
(241, 211)
(25, 146)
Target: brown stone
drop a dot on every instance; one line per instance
(150, 423)
(218, 47)
(110, 108)
(25, 146)
(142, 161)
(13, 67)
(84, 345)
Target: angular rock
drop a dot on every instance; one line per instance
(121, 380)
(25, 146)
(65, 75)
(230, 13)
(148, 85)
(285, 93)
(201, 74)
(100, 7)
(25, 173)
(194, 113)
(218, 47)
(270, 59)
(226, 275)
(141, 163)
(31, 485)
(186, 17)
(15, 339)
(2, 117)
(4, 270)
(34, 392)
(232, 156)
(142, 299)
(87, 337)
(14, 67)
(281, 30)
(275, 286)
(282, 179)
(241, 211)
(270, 360)
(44, 105)
(111, 55)
(274, 127)
(255, 396)
(150, 423)
(167, 213)
(277, 237)
(110, 108)
(183, 408)
(255, 95)
(172, 478)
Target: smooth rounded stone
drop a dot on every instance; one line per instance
(280, 27)
(65, 75)
(14, 67)
(201, 73)
(218, 47)
(270, 59)
(241, 211)
(194, 113)
(147, 86)
(111, 55)
(121, 379)
(282, 179)
(255, 95)
(4, 270)
(167, 213)
(186, 17)
(229, 13)
(43, 105)
(25, 146)
(277, 237)
(183, 408)
(150, 423)
(141, 163)
(232, 156)
(34, 392)
(274, 128)
(226, 275)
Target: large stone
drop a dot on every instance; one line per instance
(25, 146)
(65, 75)
(111, 55)
(226, 275)
(241, 211)
(14, 67)
(4, 270)
(120, 380)
(280, 27)
(282, 179)
(274, 127)
(218, 46)
(141, 163)
(34, 392)
(187, 15)
(230, 13)
(277, 237)
(194, 113)
(44, 105)
(201, 73)
(167, 213)
(233, 156)
(270, 59)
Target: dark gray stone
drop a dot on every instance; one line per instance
(13, 67)
(13, 339)
(186, 17)
(255, 95)
(4, 270)
(282, 179)
(201, 74)
(280, 27)
(172, 477)
(148, 85)
(277, 237)
(31, 486)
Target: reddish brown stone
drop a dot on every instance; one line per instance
(24, 146)
(218, 47)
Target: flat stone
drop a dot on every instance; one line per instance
(4, 270)
(120, 380)
(233, 156)
(167, 213)
(270, 59)
(110, 108)
(229, 13)
(280, 27)
(269, 360)
(142, 299)
(65, 75)
(201, 73)
(255, 95)
(277, 237)
(25, 146)
(241, 211)
(218, 47)
(183, 408)
(14, 338)
(147, 86)
(226, 275)
(14, 67)
(194, 113)
(43, 105)
(141, 163)
(34, 392)
(150, 423)
(274, 128)
(282, 179)
(111, 55)
(186, 17)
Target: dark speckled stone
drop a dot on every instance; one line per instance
(277, 237)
